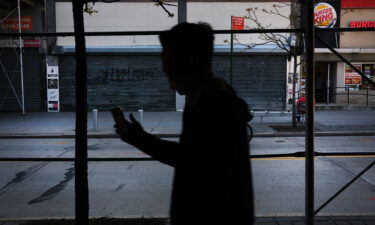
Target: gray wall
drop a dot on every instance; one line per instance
(137, 81)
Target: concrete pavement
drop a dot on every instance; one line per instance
(335, 123)
(62, 124)
(333, 220)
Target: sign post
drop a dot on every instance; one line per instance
(237, 23)
(53, 99)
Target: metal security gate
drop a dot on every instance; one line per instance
(10, 78)
(132, 81)
(259, 79)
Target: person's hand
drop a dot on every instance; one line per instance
(132, 132)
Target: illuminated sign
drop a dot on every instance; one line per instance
(325, 15)
(362, 24)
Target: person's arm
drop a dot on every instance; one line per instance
(161, 150)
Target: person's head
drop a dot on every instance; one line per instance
(187, 55)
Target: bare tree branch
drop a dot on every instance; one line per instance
(162, 4)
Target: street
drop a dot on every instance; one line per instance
(134, 189)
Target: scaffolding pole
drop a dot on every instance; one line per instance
(21, 57)
(309, 135)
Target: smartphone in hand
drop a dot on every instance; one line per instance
(119, 118)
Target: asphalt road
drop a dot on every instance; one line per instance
(132, 189)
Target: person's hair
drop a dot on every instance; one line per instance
(191, 44)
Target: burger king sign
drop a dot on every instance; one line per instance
(324, 15)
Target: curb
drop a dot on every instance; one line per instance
(103, 136)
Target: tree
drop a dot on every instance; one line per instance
(89, 6)
(291, 43)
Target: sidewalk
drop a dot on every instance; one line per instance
(168, 124)
(333, 220)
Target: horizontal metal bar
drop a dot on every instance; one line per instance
(15, 159)
(131, 33)
(295, 154)
(342, 29)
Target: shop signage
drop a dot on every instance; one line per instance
(34, 43)
(29, 43)
(238, 23)
(362, 24)
(11, 24)
(357, 4)
(351, 77)
(325, 15)
(53, 98)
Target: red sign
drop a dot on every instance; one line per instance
(11, 24)
(31, 43)
(362, 24)
(357, 3)
(238, 23)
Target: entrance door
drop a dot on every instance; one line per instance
(325, 82)
(321, 82)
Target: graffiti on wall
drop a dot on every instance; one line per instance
(129, 73)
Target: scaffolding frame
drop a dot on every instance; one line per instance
(20, 99)
(81, 159)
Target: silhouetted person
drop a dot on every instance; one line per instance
(212, 182)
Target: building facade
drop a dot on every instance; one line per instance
(126, 70)
(335, 81)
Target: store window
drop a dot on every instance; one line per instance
(353, 80)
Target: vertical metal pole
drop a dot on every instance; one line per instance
(294, 119)
(348, 95)
(140, 112)
(182, 18)
(95, 119)
(21, 58)
(309, 136)
(182, 11)
(328, 82)
(231, 54)
(81, 180)
(367, 95)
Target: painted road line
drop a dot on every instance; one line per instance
(302, 158)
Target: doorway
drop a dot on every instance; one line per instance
(325, 82)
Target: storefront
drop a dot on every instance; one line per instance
(334, 80)
(136, 80)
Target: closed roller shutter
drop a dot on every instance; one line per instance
(132, 81)
(258, 79)
(32, 80)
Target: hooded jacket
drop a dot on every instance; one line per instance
(212, 181)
